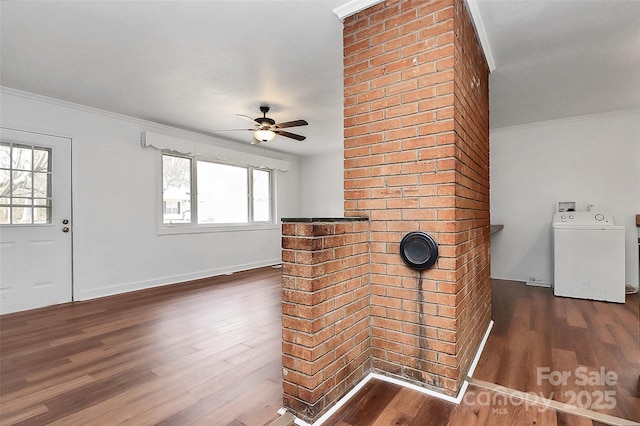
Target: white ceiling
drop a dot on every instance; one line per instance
(558, 59)
(195, 65)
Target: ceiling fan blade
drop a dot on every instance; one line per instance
(291, 124)
(290, 135)
(232, 130)
(248, 118)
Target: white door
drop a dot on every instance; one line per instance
(35, 220)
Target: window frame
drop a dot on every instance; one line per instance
(33, 204)
(193, 226)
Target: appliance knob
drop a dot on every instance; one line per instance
(599, 217)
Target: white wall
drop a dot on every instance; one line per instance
(115, 190)
(323, 186)
(589, 160)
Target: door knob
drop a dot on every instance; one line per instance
(65, 229)
(65, 221)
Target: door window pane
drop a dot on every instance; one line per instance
(41, 215)
(40, 185)
(261, 196)
(5, 216)
(21, 158)
(5, 156)
(21, 215)
(5, 183)
(25, 180)
(22, 201)
(40, 160)
(222, 193)
(21, 183)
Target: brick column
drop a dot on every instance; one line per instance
(416, 151)
(326, 340)
(417, 159)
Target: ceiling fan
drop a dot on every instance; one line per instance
(266, 128)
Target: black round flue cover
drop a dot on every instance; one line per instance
(419, 250)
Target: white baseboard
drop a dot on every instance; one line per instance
(397, 381)
(112, 290)
(539, 284)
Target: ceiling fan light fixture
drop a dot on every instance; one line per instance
(264, 135)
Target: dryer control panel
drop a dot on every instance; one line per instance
(583, 218)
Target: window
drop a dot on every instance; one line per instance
(261, 195)
(25, 184)
(198, 191)
(176, 189)
(222, 193)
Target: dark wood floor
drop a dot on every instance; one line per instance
(208, 353)
(533, 329)
(380, 403)
(582, 339)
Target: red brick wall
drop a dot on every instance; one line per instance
(326, 339)
(471, 103)
(416, 158)
(416, 151)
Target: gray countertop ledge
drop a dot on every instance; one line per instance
(322, 219)
(495, 228)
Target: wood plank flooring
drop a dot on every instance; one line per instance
(209, 353)
(532, 329)
(206, 352)
(380, 403)
(565, 349)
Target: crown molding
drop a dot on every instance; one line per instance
(353, 7)
(567, 120)
(476, 18)
(5, 90)
(169, 130)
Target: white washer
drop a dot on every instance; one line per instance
(588, 256)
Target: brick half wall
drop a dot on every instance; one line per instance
(325, 313)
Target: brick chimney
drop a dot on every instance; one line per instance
(416, 144)
(416, 158)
